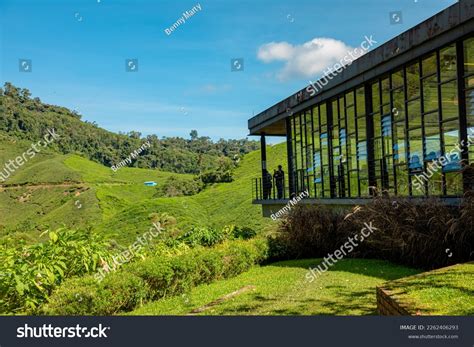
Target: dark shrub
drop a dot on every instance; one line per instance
(425, 234)
(309, 231)
(216, 176)
(177, 186)
(243, 233)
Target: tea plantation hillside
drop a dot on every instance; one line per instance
(54, 189)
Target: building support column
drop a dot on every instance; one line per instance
(370, 138)
(289, 151)
(263, 152)
(467, 174)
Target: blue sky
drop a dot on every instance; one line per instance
(184, 80)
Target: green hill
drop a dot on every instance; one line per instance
(70, 183)
(54, 189)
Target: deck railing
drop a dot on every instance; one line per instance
(278, 190)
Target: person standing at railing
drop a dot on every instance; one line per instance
(279, 176)
(267, 184)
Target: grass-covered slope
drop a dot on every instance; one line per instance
(447, 291)
(348, 288)
(218, 205)
(52, 189)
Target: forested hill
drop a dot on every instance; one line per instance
(24, 117)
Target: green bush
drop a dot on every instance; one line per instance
(216, 176)
(121, 291)
(202, 236)
(222, 174)
(30, 273)
(177, 186)
(156, 272)
(76, 296)
(155, 278)
(243, 233)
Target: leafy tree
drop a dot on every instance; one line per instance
(29, 119)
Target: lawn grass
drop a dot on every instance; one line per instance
(348, 288)
(448, 291)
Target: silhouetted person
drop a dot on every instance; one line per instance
(267, 184)
(279, 177)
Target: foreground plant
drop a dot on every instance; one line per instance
(28, 274)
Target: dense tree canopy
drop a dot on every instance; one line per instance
(27, 118)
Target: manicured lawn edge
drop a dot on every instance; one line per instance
(438, 292)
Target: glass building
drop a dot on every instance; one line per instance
(397, 121)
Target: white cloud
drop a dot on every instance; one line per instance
(307, 60)
(275, 51)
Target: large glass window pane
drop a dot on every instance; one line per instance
(435, 182)
(354, 183)
(397, 79)
(432, 137)
(447, 63)
(413, 81)
(349, 99)
(352, 153)
(451, 169)
(322, 114)
(385, 91)
(430, 93)
(325, 162)
(350, 120)
(360, 100)
(414, 114)
(449, 100)
(416, 150)
(398, 109)
(375, 97)
(469, 56)
(309, 129)
(399, 145)
(402, 181)
(428, 65)
(297, 147)
(451, 140)
(454, 183)
(377, 125)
